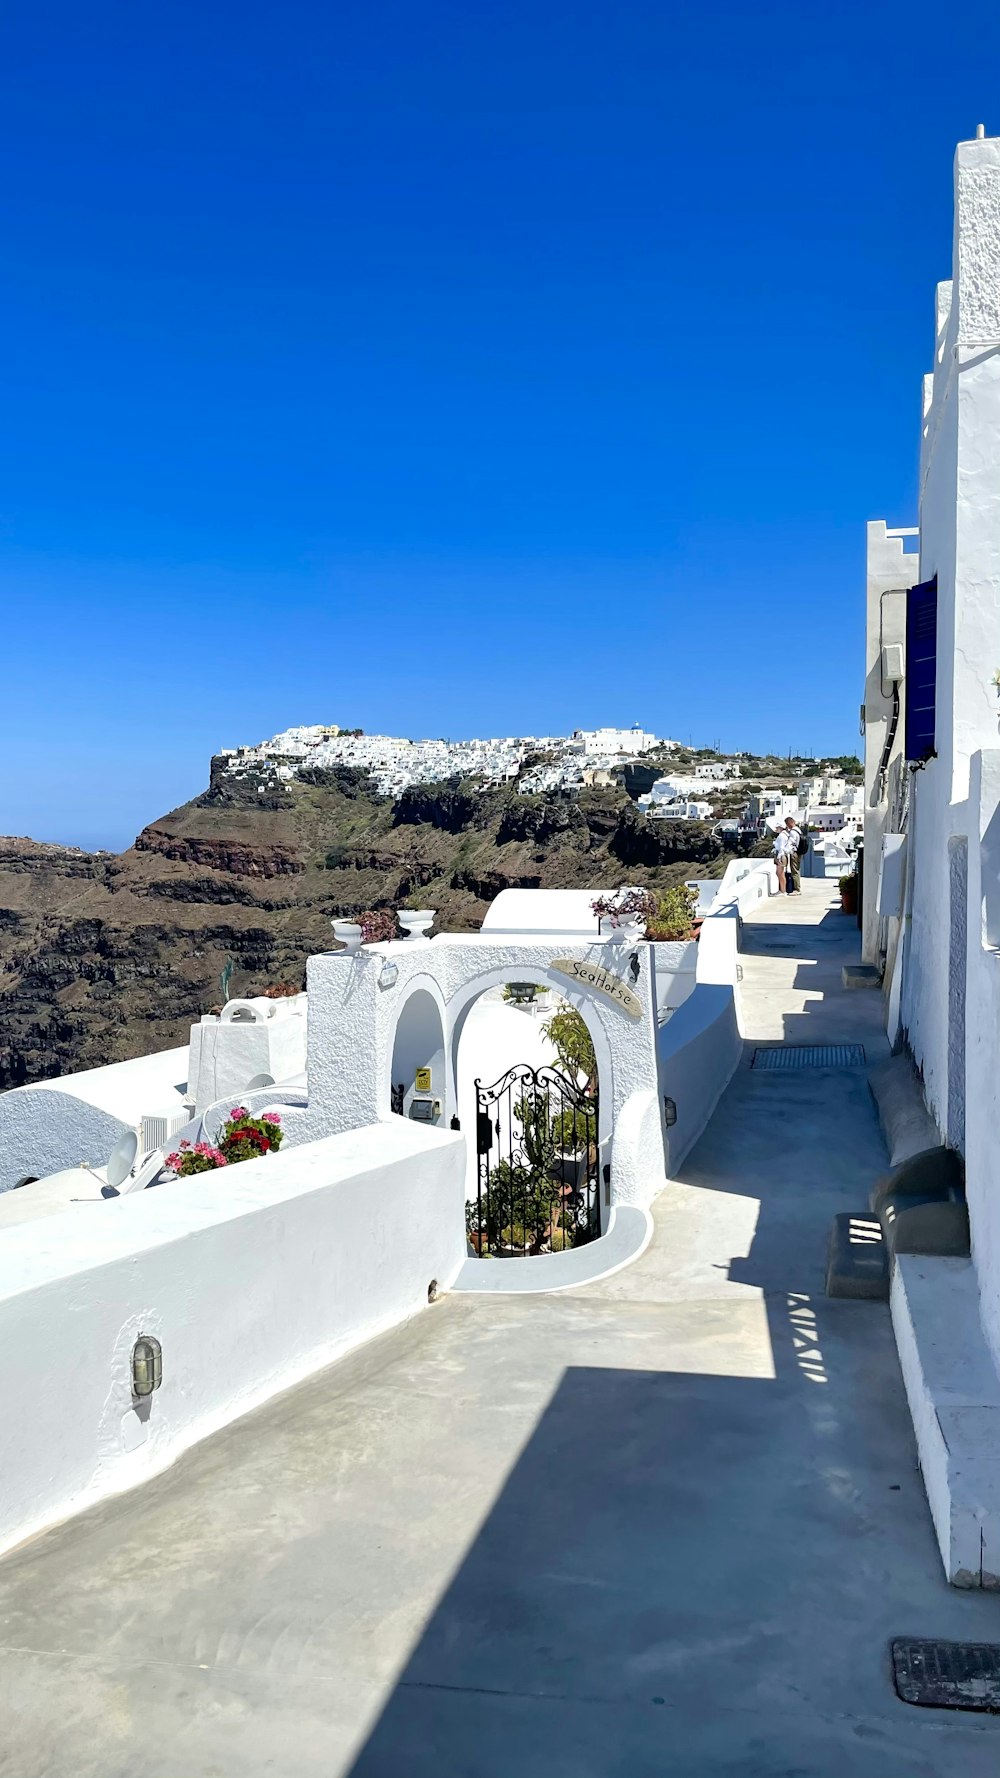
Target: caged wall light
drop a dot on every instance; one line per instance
(147, 1366)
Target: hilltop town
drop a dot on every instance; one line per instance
(667, 778)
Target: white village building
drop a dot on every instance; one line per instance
(931, 887)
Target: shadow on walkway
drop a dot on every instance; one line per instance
(701, 1573)
(690, 1574)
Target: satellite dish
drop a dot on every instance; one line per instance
(122, 1159)
(145, 1175)
(259, 1080)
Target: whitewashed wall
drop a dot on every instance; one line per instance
(355, 1003)
(890, 571)
(699, 1048)
(946, 981)
(251, 1278)
(982, 1039)
(960, 542)
(225, 1053)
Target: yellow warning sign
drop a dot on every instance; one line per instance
(422, 1080)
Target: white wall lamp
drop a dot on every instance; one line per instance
(147, 1366)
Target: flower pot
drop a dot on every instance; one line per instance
(416, 922)
(849, 900)
(349, 934)
(572, 1168)
(626, 931)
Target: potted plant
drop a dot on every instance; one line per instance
(674, 921)
(370, 928)
(849, 893)
(623, 916)
(242, 1138)
(515, 1213)
(378, 925)
(574, 1132)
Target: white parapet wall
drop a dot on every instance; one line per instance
(744, 883)
(954, 1398)
(699, 1047)
(251, 1278)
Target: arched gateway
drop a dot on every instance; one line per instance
(392, 1015)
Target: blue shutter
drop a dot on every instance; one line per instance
(921, 669)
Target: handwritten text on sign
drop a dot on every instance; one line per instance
(603, 981)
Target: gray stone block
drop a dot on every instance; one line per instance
(860, 975)
(934, 1173)
(857, 1263)
(940, 1228)
(906, 1123)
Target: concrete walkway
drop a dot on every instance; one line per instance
(666, 1524)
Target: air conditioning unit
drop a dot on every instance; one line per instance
(157, 1128)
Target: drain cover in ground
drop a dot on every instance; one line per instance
(948, 1675)
(820, 1055)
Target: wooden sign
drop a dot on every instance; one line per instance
(422, 1080)
(602, 981)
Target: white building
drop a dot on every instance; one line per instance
(827, 818)
(682, 809)
(773, 805)
(932, 874)
(669, 788)
(615, 743)
(717, 771)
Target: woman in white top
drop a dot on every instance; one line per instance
(784, 840)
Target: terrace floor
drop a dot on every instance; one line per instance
(664, 1524)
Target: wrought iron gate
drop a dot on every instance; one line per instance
(536, 1146)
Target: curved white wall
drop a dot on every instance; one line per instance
(44, 1131)
(55, 1124)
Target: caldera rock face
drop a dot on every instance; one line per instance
(104, 956)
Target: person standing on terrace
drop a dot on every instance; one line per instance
(782, 851)
(793, 861)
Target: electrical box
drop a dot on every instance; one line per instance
(892, 663)
(424, 1111)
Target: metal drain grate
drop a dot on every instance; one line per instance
(948, 1675)
(819, 1055)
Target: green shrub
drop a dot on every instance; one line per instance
(674, 920)
(573, 1044)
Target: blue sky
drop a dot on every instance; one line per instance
(450, 369)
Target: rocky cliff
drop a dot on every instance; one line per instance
(107, 956)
